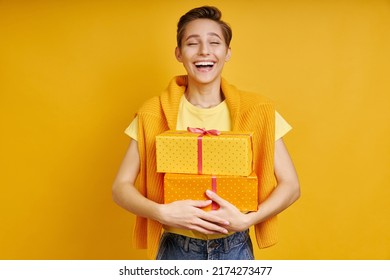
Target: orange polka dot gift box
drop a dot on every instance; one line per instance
(241, 191)
(200, 151)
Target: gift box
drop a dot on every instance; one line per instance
(202, 152)
(241, 191)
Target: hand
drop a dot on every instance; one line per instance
(237, 220)
(186, 214)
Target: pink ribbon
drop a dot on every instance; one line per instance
(202, 133)
(214, 205)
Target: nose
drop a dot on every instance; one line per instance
(204, 49)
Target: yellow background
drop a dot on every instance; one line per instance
(73, 73)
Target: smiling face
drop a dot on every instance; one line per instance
(203, 51)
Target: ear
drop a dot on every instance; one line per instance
(228, 54)
(178, 54)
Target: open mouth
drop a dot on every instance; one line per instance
(204, 65)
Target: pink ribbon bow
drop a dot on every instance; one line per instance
(202, 132)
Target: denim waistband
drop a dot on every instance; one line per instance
(194, 244)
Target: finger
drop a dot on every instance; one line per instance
(215, 197)
(214, 219)
(200, 203)
(211, 227)
(205, 231)
(209, 223)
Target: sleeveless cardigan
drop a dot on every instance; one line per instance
(248, 111)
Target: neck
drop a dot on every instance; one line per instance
(204, 95)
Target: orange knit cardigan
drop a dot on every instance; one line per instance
(248, 111)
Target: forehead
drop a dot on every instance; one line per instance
(202, 27)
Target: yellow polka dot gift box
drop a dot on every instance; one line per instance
(200, 151)
(241, 191)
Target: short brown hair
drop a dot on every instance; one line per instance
(204, 12)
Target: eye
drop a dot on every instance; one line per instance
(215, 43)
(192, 43)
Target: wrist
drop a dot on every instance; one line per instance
(159, 213)
(250, 219)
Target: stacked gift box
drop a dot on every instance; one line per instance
(197, 160)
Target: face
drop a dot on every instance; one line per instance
(203, 51)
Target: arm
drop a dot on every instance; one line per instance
(286, 192)
(180, 214)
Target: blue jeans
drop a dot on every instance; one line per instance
(237, 246)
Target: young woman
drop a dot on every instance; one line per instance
(202, 98)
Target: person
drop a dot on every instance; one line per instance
(203, 98)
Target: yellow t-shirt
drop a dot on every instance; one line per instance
(217, 117)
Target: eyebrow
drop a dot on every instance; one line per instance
(197, 36)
